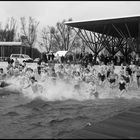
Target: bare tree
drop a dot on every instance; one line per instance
(63, 36)
(29, 31)
(8, 33)
(47, 40)
(56, 38)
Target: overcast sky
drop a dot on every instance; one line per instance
(49, 12)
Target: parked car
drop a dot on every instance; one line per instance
(21, 58)
(36, 60)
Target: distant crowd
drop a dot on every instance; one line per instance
(89, 58)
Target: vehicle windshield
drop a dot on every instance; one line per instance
(16, 55)
(26, 56)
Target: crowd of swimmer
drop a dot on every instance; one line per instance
(79, 76)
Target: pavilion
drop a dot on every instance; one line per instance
(113, 34)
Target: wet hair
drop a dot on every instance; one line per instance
(45, 70)
(29, 69)
(87, 70)
(73, 72)
(53, 69)
(77, 72)
(33, 78)
(1, 69)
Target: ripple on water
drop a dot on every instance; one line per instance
(40, 119)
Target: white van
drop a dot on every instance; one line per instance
(21, 58)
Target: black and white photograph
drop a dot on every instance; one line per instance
(69, 69)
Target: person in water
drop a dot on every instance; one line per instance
(112, 79)
(77, 81)
(16, 63)
(127, 79)
(93, 89)
(122, 86)
(133, 68)
(53, 75)
(3, 76)
(138, 76)
(36, 88)
(102, 77)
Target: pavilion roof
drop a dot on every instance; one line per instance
(116, 27)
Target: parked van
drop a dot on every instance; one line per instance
(21, 58)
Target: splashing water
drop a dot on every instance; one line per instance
(62, 90)
(43, 117)
(59, 90)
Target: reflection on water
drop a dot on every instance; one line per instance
(21, 117)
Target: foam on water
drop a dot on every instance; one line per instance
(62, 90)
(59, 90)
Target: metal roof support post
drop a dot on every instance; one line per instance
(117, 31)
(91, 37)
(95, 36)
(1, 50)
(128, 30)
(21, 49)
(86, 40)
(82, 37)
(73, 41)
(138, 41)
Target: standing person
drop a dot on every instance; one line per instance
(52, 57)
(39, 66)
(138, 76)
(62, 59)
